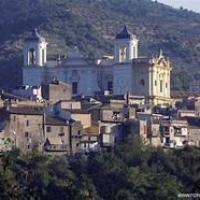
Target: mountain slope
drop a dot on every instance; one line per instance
(92, 25)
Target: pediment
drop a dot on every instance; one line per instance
(163, 62)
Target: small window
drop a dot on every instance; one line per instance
(26, 134)
(155, 83)
(61, 129)
(32, 56)
(142, 82)
(27, 122)
(61, 134)
(161, 86)
(79, 132)
(77, 144)
(48, 129)
(166, 85)
(74, 87)
(110, 86)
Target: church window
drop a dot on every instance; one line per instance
(166, 85)
(161, 86)
(43, 56)
(142, 82)
(31, 56)
(110, 86)
(134, 51)
(155, 83)
(123, 54)
(74, 87)
(48, 129)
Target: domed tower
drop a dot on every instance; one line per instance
(35, 50)
(125, 46)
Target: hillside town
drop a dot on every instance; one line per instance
(76, 105)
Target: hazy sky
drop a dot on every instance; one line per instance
(189, 4)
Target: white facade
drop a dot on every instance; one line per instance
(35, 50)
(122, 73)
(125, 46)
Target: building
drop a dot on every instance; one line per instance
(26, 127)
(174, 133)
(125, 72)
(56, 90)
(62, 136)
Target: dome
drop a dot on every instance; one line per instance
(125, 34)
(35, 37)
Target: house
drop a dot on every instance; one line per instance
(174, 132)
(62, 136)
(26, 127)
(111, 132)
(56, 90)
(28, 92)
(90, 140)
(194, 136)
(71, 109)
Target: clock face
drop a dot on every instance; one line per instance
(122, 81)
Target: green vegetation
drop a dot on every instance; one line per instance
(129, 171)
(92, 25)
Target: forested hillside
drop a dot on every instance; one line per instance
(128, 172)
(92, 25)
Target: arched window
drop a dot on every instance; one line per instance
(123, 52)
(43, 56)
(31, 56)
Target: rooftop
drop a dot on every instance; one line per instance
(125, 34)
(26, 110)
(92, 130)
(55, 121)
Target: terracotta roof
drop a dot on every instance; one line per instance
(92, 130)
(26, 110)
(77, 111)
(54, 140)
(55, 121)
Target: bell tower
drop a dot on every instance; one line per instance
(125, 46)
(35, 50)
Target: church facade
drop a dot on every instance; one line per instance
(122, 73)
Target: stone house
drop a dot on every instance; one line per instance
(56, 90)
(26, 127)
(90, 140)
(62, 136)
(174, 132)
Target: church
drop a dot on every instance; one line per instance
(123, 72)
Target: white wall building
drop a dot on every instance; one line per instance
(122, 73)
